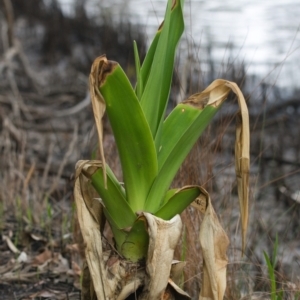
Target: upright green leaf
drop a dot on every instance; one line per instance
(147, 63)
(157, 88)
(132, 134)
(139, 79)
(180, 132)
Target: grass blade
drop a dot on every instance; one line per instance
(271, 276)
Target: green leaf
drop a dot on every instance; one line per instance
(178, 202)
(147, 63)
(168, 195)
(157, 87)
(113, 198)
(271, 272)
(139, 84)
(132, 133)
(180, 132)
(135, 246)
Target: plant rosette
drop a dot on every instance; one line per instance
(143, 213)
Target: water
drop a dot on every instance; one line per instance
(263, 34)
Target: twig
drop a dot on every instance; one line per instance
(19, 104)
(65, 160)
(48, 164)
(35, 80)
(13, 130)
(9, 14)
(75, 109)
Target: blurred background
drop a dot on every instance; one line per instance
(264, 35)
(46, 125)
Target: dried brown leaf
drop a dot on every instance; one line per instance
(242, 157)
(98, 102)
(214, 243)
(89, 222)
(177, 270)
(163, 238)
(42, 258)
(175, 292)
(104, 276)
(214, 95)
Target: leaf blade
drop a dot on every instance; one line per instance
(113, 196)
(208, 101)
(178, 202)
(190, 125)
(132, 134)
(155, 96)
(139, 83)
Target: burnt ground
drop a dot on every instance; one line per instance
(47, 126)
(37, 264)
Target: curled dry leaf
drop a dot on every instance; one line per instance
(242, 157)
(103, 278)
(98, 103)
(214, 243)
(163, 238)
(177, 270)
(214, 95)
(89, 223)
(174, 292)
(94, 207)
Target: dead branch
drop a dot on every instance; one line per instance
(9, 14)
(65, 160)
